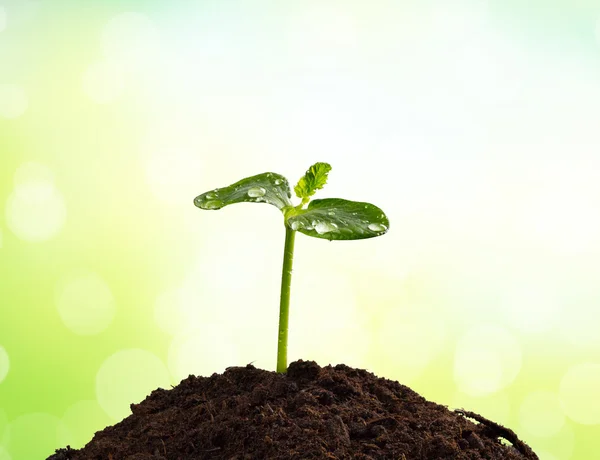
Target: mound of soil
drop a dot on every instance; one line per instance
(310, 412)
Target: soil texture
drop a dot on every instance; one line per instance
(311, 412)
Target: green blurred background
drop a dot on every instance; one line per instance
(473, 124)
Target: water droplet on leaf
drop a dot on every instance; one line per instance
(325, 227)
(377, 227)
(212, 204)
(255, 192)
(278, 181)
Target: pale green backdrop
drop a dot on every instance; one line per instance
(473, 124)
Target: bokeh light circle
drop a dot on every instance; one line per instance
(83, 418)
(579, 393)
(541, 414)
(3, 428)
(4, 364)
(4, 455)
(35, 435)
(127, 377)
(85, 304)
(13, 101)
(487, 359)
(35, 210)
(34, 181)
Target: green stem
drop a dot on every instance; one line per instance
(284, 303)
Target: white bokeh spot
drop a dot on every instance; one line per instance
(35, 210)
(4, 364)
(3, 428)
(579, 393)
(103, 82)
(13, 101)
(83, 418)
(127, 377)
(4, 455)
(85, 304)
(48, 431)
(34, 181)
(487, 359)
(541, 414)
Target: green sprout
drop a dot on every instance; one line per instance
(329, 218)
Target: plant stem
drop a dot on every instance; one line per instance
(284, 303)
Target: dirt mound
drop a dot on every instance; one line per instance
(310, 412)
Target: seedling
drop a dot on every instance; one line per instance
(329, 218)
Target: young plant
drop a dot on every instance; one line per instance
(329, 218)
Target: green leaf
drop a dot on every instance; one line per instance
(268, 188)
(314, 179)
(338, 219)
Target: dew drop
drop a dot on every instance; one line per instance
(211, 196)
(331, 213)
(278, 181)
(212, 204)
(255, 192)
(377, 227)
(296, 225)
(325, 227)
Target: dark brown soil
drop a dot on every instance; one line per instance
(312, 412)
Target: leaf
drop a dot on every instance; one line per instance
(314, 179)
(267, 187)
(338, 219)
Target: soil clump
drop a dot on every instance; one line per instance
(311, 412)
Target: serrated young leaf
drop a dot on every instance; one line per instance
(338, 219)
(271, 188)
(314, 179)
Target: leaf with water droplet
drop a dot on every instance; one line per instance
(268, 187)
(352, 220)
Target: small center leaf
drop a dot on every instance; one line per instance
(338, 219)
(314, 179)
(271, 188)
